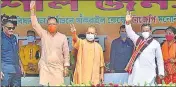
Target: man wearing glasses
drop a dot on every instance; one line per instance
(10, 63)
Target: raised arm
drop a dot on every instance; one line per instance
(76, 41)
(131, 34)
(34, 20)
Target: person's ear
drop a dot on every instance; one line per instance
(3, 27)
(95, 34)
(150, 31)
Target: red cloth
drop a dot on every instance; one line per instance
(170, 68)
(167, 79)
(158, 80)
(174, 78)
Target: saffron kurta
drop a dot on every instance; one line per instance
(144, 69)
(89, 61)
(55, 55)
(29, 54)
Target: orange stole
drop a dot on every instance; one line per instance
(168, 51)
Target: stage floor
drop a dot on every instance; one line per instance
(116, 78)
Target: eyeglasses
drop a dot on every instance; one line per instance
(9, 28)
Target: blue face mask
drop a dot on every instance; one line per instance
(30, 38)
(123, 34)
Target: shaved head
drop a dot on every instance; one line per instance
(91, 29)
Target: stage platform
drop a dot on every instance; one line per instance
(115, 78)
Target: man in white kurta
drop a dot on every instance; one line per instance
(55, 58)
(144, 69)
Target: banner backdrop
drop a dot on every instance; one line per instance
(107, 16)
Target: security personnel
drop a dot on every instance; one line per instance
(11, 65)
(30, 54)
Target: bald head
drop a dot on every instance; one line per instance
(91, 30)
(91, 34)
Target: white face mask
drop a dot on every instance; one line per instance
(90, 37)
(145, 34)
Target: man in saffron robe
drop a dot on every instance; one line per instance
(55, 58)
(144, 68)
(90, 60)
(75, 51)
(169, 55)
